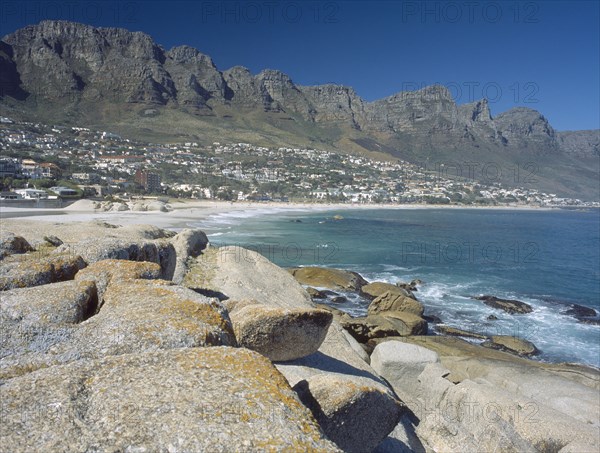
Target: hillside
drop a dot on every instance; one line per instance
(70, 73)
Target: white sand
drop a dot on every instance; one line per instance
(186, 212)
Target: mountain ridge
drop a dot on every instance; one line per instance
(73, 70)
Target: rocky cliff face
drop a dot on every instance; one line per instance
(336, 104)
(525, 127)
(580, 143)
(58, 60)
(67, 62)
(195, 77)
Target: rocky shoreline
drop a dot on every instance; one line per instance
(135, 338)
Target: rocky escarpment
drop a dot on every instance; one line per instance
(67, 63)
(115, 355)
(580, 143)
(527, 128)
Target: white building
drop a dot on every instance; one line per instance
(33, 194)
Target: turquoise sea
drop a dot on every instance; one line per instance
(548, 259)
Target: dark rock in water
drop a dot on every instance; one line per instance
(579, 311)
(433, 319)
(315, 293)
(412, 286)
(584, 315)
(508, 305)
(338, 299)
(320, 293)
(296, 221)
(492, 318)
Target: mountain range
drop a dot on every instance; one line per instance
(71, 73)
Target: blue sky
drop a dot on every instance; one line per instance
(539, 54)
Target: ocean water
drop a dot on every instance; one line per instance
(548, 259)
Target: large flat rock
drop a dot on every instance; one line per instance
(106, 271)
(32, 320)
(480, 399)
(238, 273)
(324, 277)
(73, 232)
(137, 316)
(69, 302)
(182, 400)
(24, 271)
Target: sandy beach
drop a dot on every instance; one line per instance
(185, 212)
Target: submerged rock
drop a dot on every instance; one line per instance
(508, 305)
(579, 311)
(590, 321)
(338, 299)
(584, 315)
(181, 400)
(318, 294)
(433, 319)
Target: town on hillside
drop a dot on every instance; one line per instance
(39, 161)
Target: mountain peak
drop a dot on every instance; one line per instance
(61, 64)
